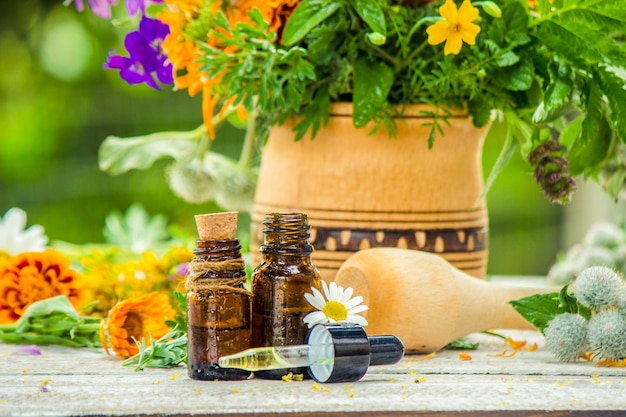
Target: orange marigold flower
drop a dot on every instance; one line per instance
(33, 276)
(132, 320)
(184, 54)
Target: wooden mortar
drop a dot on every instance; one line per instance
(426, 302)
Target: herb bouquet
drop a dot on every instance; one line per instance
(552, 71)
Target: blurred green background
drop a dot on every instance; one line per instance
(57, 105)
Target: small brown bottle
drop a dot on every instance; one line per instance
(279, 283)
(218, 305)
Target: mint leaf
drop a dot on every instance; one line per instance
(305, 17)
(372, 14)
(372, 82)
(518, 77)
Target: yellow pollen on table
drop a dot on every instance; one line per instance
(335, 310)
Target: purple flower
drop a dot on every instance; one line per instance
(100, 8)
(146, 57)
(28, 350)
(133, 6)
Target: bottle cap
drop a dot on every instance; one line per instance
(352, 352)
(217, 226)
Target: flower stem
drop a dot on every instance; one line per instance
(248, 144)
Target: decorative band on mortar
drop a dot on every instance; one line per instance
(432, 240)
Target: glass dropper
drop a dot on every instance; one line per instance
(332, 354)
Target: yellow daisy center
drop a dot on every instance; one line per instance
(335, 310)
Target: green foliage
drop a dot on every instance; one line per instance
(135, 231)
(170, 350)
(539, 309)
(545, 68)
(555, 73)
(53, 321)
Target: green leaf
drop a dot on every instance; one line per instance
(462, 344)
(52, 321)
(591, 146)
(506, 59)
(136, 230)
(307, 15)
(372, 82)
(569, 41)
(555, 97)
(508, 149)
(539, 309)
(570, 304)
(518, 77)
(571, 133)
(613, 88)
(616, 184)
(372, 14)
(118, 155)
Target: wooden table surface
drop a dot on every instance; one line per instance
(67, 381)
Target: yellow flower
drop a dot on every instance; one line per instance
(135, 319)
(456, 28)
(34, 276)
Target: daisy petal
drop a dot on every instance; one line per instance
(332, 291)
(354, 302)
(314, 300)
(356, 319)
(326, 291)
(358, 309)
(347, 294)
(316, 317)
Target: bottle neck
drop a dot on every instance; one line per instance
(217, 250)
(219, 259)
(286, 233)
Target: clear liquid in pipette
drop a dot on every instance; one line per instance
(266, 358)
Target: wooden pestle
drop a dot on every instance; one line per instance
(426, 302)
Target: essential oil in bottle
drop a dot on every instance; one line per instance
(279, 283)
(218, 304)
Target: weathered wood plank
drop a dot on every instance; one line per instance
(83, 382)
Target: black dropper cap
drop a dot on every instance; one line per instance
(352, 352)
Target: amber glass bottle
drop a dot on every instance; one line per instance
(218, 309)
(279, 283)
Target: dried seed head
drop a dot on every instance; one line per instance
(597, 287)
(621, 302)
(566, 336)
(607, 335)
(604, 234)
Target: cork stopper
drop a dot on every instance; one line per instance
(217, 226)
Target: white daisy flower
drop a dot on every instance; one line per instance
(15, 238)
(335, 307)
